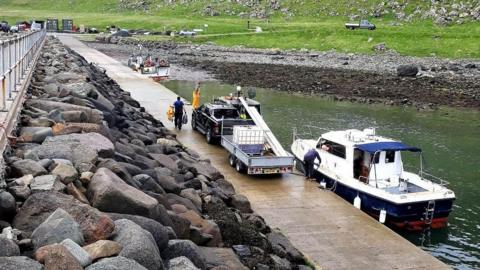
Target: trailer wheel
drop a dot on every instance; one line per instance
(239, 166)
(232, 160)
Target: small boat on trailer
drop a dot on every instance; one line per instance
(156, 69)
(367, 170)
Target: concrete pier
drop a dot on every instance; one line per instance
(329, 231)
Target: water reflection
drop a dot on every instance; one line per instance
(450, 140)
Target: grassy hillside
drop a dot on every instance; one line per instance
(408, 27)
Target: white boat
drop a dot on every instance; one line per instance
(367, 170)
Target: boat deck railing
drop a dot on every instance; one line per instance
(434, 179)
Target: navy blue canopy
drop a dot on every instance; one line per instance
(386, 146)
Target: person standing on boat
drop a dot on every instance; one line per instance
(309, 160)
(196, 97)
(179, 110)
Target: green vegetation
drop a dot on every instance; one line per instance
(311, 27)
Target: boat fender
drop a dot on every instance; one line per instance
(383, 216)
(323, 185)
(357, 202)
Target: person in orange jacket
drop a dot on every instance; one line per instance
(196, 97)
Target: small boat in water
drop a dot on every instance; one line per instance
(367, 170)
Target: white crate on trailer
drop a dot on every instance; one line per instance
(250, 139)
(248, 135)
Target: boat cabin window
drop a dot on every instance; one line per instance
(225, 113)
(390, 157)
(333, 148)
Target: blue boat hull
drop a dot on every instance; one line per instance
(410, 216)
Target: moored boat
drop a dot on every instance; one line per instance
(367, 170)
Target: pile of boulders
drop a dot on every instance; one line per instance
(95, 182)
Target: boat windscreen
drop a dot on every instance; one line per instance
(386, 146)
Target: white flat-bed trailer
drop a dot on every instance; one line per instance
(256, 164)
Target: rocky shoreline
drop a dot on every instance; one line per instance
(95, 182)
(357, 78)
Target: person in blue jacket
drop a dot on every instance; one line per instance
(309, 160)
(179, 110)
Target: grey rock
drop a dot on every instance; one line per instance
(8, 247)
(116, 263)
(242, 251)
(96, 141)
(178, 248)
(39, 206)
(282, 246)
(241, 203)
(148, 184)
(181, 263)
(280, 263)
(27, 166)
(165, 161)
(159, 232)
(407, 71)
(106, 189)
(193, 196)
(226, 187)
(175, 199)
(20, 193)
(77, 251)
(221, 257)
(181, 225)
(56, 116)
(67, 173)
(166, 181)
(45, 163)
(46, 182)
(138, 244)
(19, 262)
(7, 205)
(81, 155)
(56, 228)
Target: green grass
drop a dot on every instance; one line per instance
(312, 30)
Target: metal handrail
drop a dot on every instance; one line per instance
(16, 57)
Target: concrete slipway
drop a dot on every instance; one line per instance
(331, 232)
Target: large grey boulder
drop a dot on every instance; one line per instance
(19, 262)
(39, 206)
(7, 205)
(27, 166)
(58, 227)
(115, 263)
(181, 263)
(8, 247)
(20, 193)
(159, 232)
(106, 190)
(102, 145)
(46, 183)
(81, 155)
(187, 248)
(138, 244)
(77, 251)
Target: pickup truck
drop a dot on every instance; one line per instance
(364, 24)
(217, 119)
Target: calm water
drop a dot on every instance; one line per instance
(449, 138)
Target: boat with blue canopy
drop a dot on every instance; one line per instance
(368, 171)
